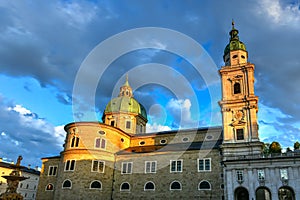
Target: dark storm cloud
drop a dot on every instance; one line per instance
(49, 40)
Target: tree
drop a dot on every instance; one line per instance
(275, 147)
(288, 149)
(296, 145)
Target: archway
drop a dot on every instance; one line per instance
(263, 193)
(241, 193)
(286, 193)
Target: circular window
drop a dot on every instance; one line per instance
(185, 139)
(101, 132)
(142, 142)
(163, 141)
(209, 137)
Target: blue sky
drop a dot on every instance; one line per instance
(45, 44)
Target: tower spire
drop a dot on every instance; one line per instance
(234, 32)
(125, 89)
(235, 52)
(126, 80)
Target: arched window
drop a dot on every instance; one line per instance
(125, 187)
(175, 185)
(75, 141)
(67, 184)
(204, 185)
(149, 186)
(241, 193)
(49, 187)
(96, 185)
(286, 192)
(263, 193)
(237, 88)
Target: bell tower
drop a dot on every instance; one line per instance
(239, 105)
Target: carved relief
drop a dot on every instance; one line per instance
(74, 131)
(238, 118)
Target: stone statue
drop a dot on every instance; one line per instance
(19, 161)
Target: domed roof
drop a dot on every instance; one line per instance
(126, 104)
(234, 43)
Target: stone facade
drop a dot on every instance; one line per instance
(264, 173)
(248, 173)
(185, 146)
(118, 160)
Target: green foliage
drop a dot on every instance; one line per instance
(296, 145)
(275, 147)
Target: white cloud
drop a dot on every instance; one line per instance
(60, 134)
(20, 109)
(281, 13)
(180, 109)
(78, 14)
(150, 128)
(30, 119)
(28, 132)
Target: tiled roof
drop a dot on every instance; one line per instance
(214, 144)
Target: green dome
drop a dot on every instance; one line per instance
(234, 42)
(126, 104)
(234, 45)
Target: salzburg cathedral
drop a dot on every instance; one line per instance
(117, 159)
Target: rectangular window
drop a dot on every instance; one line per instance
(150, 166)
(126, 168)
(100, 143)
(70, 165)
(261, 174)
(52, 171)
(240, 134)
(176, 166)
(204, 164)
(103, 143)
(240, 175)
(128, 124)
(284, 174)
(97, 142)
(112, 123)
(98, 166)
